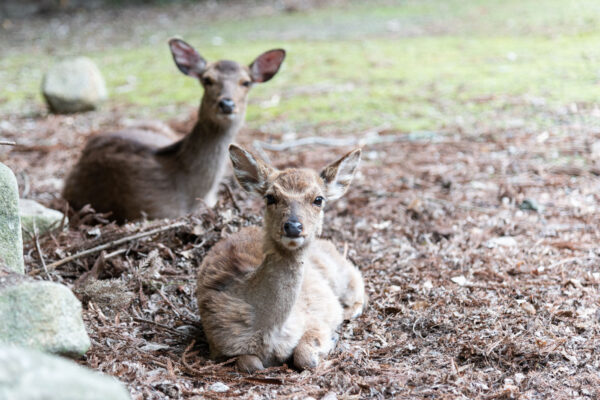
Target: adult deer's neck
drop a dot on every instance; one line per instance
(205, 147)
(197, 161)
(274, 288)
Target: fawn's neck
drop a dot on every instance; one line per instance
(274, 288)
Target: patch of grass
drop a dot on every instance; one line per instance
(422, 65)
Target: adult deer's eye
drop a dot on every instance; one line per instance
(247, 83)
(318, 201)
(270, 199)
(207, 81)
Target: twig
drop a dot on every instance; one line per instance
(7, 143)
(39, 249)
(466, 207)
(414, 326)
(230, 194)
(95, 272)
(370, 138)
(114, 243)
(568, 260)
(114, 253)
(106, 257)
(160, 292)
(63, 220)
(166, 327)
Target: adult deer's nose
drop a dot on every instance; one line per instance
(226, 106)
(292, 228)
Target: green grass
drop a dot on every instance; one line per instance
(417, 65)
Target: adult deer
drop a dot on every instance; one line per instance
(136, 172)
(269, 294)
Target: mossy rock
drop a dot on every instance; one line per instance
(11, 241)
(32, 375)
(41, 315)
(36, 217)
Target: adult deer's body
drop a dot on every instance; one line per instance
(135, 172)
(268, 294)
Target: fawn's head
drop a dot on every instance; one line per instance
(226, 83)
(294, 197)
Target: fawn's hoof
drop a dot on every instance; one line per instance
(249, 363)
(353, 311)
(305, 358)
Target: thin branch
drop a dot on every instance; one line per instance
(369, 138)
(569, 260)
(114, 253)
(165, 327)
(39, 249)
(230, 194)
(166, 299)
(7, 143)
(114, 243)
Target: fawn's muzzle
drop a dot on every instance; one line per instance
(292, 228)
(226, 106)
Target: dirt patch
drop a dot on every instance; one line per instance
(479, 252)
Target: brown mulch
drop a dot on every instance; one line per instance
(473, 294)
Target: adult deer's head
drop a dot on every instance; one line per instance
(226, 83)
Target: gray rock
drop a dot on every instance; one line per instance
(502, 241)
(218, 387)
(531, 205)
(41, 315)
(45, 219)
(595, 147)
(74, 85)
(11, 241)
(31, 375)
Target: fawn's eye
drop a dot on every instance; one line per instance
(270, 199)
(318, 201)
(207, 81)
(246, 83)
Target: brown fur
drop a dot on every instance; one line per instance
(138, 172)
(266, 299)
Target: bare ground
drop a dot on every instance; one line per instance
(473, 294)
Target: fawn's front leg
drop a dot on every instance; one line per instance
(353, 299)
(314, 344)
(249, 363)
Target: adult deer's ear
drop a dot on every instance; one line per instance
(266, 65)
(250, 172)
(187, 59)
(338, 175)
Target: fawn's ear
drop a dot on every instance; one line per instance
(187, 59)
(250, 172)
(338, 175)
(266, 65)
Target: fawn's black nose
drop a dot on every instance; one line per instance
(292, 228)
(226, 105)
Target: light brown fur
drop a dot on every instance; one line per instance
(265, 296)
(138, 172)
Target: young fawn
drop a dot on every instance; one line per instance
(135, 172)
(268, 294)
